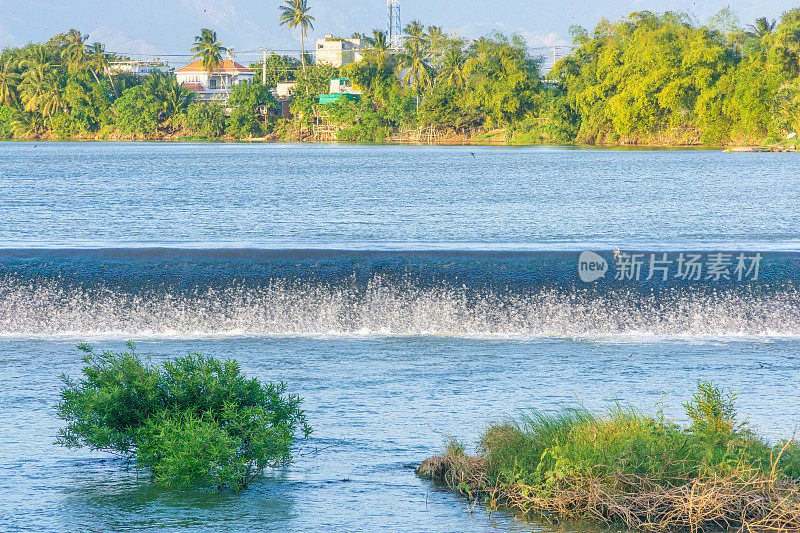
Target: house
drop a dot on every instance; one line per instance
(138, 68)
(339, 87)
(283, 95)
(338, 52)
(284, 89)
(216, 86)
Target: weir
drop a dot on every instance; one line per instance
(182, 292)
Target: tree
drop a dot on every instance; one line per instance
(138, 111)
(296, 13)
(761, 28)
(452, 71)
(375, 74)
(26, 124)
(98, 63)
(190, 420)
(209, 50)
(377, 42)
(249, 103)
(50, 100)
(7, 115)
(785, 44)
(206, 119)
(503, 79)
(41, 89)
(415, 56)
(75, 53)
(280, 68)
(436, 44)
(177, 100)
(9, 81)
(88, 103)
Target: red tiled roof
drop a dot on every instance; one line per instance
(225, 66)
(193, 86)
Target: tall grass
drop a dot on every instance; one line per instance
(627, 466)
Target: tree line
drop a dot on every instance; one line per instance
(649, 78)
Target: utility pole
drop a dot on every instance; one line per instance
(263, 65)
(232, 55)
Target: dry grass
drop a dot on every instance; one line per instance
(634, 470)
(743, 501)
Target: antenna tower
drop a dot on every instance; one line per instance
(395, 33)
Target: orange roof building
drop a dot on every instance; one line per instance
(226, 67)
(217, 85)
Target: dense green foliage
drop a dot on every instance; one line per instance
(248, 101)
(540, 449)
(649, 78)
(193, 419)
(63, 89)
(653, 77)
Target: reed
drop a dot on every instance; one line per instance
(627, 468)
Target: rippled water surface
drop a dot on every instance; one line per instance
(353, 196)
(409, 294)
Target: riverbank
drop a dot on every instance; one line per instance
(641, 472)
(414, 137)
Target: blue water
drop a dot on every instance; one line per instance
(299, 196)
(408, 294)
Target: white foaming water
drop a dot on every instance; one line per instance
(383, 308)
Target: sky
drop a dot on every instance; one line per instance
(165, 28)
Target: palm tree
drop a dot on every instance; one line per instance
(9, 80)
(378, 42)
(296, 13)
(35, 81)
(176, 100)
(209, 50)
(50, 101)
(761, 28)
(37, 53)
(452, 72)
(414, 56)
(27, 124)
(75, 52)
(436, 42)
(41, 90)
(98, 62)
(415, 35)
(156, 83)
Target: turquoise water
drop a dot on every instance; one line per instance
(408, 294)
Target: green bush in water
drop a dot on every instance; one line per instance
(190, 420)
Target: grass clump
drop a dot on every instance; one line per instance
(190, 420)
(633, 469)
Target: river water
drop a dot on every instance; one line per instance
(408, 294)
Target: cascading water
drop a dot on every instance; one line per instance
(164, 293)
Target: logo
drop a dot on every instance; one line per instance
(591, 267)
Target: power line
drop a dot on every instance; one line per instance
(555, 49)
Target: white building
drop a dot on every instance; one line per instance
(139, 68)
(216, 86)
(284, 89)
(338, 52)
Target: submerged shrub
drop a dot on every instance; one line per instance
(194, 419)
